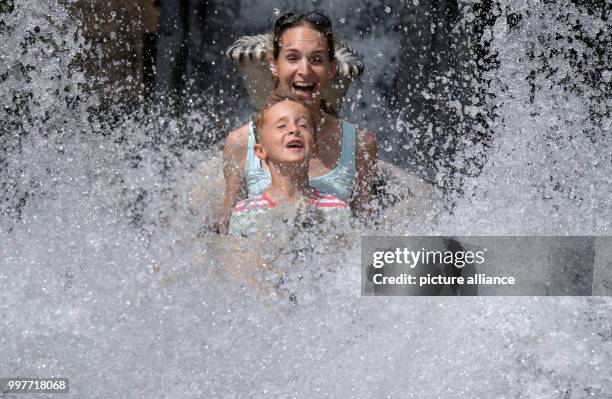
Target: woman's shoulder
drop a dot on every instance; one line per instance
(363, 137)
(360, 132)
(365, 148)
(239, 135)
(236, 142)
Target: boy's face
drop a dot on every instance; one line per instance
(286, 133)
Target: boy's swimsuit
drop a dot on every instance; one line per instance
(247, 215)
(339, 182)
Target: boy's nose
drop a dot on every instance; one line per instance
(293, 129)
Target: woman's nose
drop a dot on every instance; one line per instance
(304, 67)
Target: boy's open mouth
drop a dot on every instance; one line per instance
(304, 87)
(298, 144)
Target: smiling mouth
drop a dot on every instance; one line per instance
(295, 145)
(304, 87)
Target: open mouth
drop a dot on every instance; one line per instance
(304, 87)
(295, 144)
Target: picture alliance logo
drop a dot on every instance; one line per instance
(410, 258)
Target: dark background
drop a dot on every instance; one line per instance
(426, 62)
(173, 53)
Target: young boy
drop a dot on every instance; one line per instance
(285, 137)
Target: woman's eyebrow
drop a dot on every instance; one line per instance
(293, 53)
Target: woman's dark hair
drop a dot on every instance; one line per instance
(317, 21)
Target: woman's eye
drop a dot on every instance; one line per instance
(316, 60)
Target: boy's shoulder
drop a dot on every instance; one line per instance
(252, 204)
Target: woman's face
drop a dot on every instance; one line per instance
(303, 67)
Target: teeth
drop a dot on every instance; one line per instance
(303, 84)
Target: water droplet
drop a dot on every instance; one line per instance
(379, 54)
(342, 20)
(388, 10)
(276, 12)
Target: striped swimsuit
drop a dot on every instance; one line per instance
(339, 182)
(247, 214)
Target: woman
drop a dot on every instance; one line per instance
(343, 161)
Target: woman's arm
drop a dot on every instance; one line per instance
(365, 164)
(234, 161)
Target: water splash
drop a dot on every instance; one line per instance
(549, 166)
